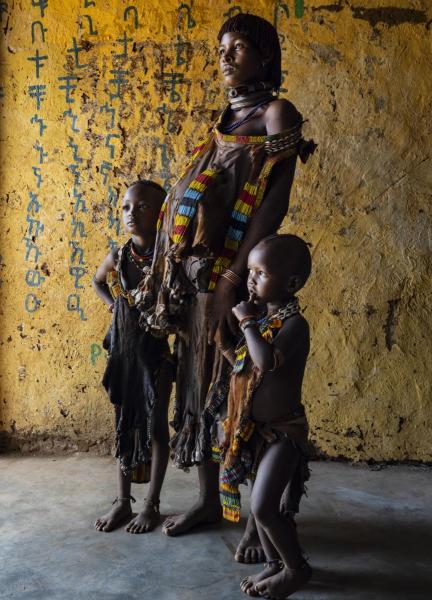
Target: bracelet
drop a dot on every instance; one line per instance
(246, 318)
(232, 277)
(248, 323)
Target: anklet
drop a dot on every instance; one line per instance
(118, 499)
(275, 561)
(302, 566)
(153, 505)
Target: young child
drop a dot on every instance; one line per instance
(266, 428)
(138, 375)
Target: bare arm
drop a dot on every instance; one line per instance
(280, 115)
(293, 335)
(99, 280)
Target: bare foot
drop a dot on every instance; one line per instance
(145, 521)
(249, 549)
(247, 585)
(200, 514)
(115, 517)
(284, 583)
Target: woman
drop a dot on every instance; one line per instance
(234, 192)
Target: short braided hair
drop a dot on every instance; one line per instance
(263, 36)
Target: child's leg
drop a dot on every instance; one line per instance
(279, 533)
(149, 517)
(121, 509)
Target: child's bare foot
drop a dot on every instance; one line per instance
(249, 549)
(120, 512)
(283, 584)
(200, 514)
(247, 585)
(146, 520)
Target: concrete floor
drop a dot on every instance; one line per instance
(366, 532)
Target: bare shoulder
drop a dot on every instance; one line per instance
(281, 114)
(294, 335)
(108, 264)
(296, 325)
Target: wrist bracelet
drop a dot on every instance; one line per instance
(249, 323)
(232, 277)
(246, 318)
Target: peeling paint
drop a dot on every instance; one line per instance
(389, 15)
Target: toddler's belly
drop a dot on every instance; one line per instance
(275, 401)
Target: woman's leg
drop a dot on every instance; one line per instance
(149, 517)
(121, 509)
(250, 550)
(206, 510)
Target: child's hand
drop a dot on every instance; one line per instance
(246, 309)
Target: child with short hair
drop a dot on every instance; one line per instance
(139, 372)
(266, 429)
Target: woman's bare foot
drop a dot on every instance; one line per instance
(247, 585)
(249, 549)
(146, 520)
(283, 584)
(200, 514)
(120, 512)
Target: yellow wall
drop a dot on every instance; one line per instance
(360, 73)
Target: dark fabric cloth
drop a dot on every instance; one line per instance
(130, 378)
(177, 292)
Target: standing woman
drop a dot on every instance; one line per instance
(234, 192)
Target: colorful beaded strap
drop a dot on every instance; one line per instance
(188, 206)
(247, 204)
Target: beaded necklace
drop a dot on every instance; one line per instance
(269, 326)
(245, 119)
(139, 260)
(251, 94)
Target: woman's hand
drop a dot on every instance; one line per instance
(221, 317)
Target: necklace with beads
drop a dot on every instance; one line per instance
(139, 260)
(269, 325)
(254, 96)
(251, 94)
(291, 308)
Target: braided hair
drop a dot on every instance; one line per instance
(263, 36)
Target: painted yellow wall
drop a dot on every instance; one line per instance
(124, 92)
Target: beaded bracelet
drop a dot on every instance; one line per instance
(248, 323)
(246, 318)
(232, 277)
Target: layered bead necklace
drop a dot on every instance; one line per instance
(254, 95)
(269, 326)
(139, 260)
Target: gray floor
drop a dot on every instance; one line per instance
(366, 532)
